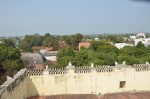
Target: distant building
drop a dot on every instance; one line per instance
(62, 44)
(121, 45)
(84, 44)
(36, 49)
(145, 41)
(33, 60)
(96, 39)
(137, 36)
(140, 35)
(133, 37)
(50, 56)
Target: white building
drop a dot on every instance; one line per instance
(133, 37)
(51, 56)
(145, 41)
(96, 39)
(121, 45)
(140, 35)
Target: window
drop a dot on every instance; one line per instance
(122, 84)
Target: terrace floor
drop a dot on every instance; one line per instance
(125, 95)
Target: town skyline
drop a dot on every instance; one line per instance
(67, 17)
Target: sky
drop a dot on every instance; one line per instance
(61, 17)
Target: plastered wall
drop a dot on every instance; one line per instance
(92, 82)
(15, 88)
(71, 80)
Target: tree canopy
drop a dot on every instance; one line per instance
(10, 61)
(104, 53)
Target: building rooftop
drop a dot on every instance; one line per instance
(32, 58)
(51, 53)
(73, 96)
(125, 95)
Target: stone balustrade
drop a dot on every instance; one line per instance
(88, 69)
(141, 67)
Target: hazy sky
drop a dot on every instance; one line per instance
(20, 17)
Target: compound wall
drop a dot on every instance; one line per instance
(76, 80)
(89, 81)
(15, 88)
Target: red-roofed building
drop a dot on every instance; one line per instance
(84, 44)
(36, 49)
(62, 44)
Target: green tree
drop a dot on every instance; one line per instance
(29, 41)
(65, 56)
(140, 44)
(82, 58)
(73, 40)
(10, 61)
(103, 46)
(8, 42)
(10, 55)
(50, 41)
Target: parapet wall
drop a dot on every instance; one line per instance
(14, 88)
(89, 80)
(77, 80)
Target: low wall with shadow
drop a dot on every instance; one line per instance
(76, 80)
(88, 80)
(15, 87)
(71, 96)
